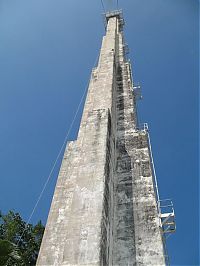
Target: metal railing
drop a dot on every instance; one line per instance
(137, 92)
(167, 216)
(142, 127)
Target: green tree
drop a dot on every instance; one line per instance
(9, 252)
(19, 242)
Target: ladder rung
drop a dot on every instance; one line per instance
(164, 215)
(169, 223)
(169, 231)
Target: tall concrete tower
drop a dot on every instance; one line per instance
(105, 207)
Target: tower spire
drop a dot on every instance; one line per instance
(104, 210)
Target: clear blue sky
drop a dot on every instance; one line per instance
(47, 50)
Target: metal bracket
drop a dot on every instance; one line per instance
(137, 92)
(125, 48)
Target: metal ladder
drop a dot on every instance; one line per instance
(165, 207)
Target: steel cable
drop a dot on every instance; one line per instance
(103, 6)
(56, 160)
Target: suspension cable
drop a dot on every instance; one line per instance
(57, 158)
(53, 167)
(103, 6)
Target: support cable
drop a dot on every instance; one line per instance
(57, 158)
(117, 4)
(103, 6)
(53, 167)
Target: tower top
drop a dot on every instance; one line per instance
(115, 13)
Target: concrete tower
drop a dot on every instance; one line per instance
(104, 210)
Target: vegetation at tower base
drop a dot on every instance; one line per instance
(19, 243)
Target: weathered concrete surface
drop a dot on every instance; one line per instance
(78, 228)
(104, 207)
(137, 236)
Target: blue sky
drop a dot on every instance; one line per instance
(47, 50)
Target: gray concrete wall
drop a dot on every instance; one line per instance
(104, 207)
(137, 236)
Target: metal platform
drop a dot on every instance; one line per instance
(137, 92)
(114, 13)
(167, 216)
(142, 127)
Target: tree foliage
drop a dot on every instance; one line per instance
(19, 242)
